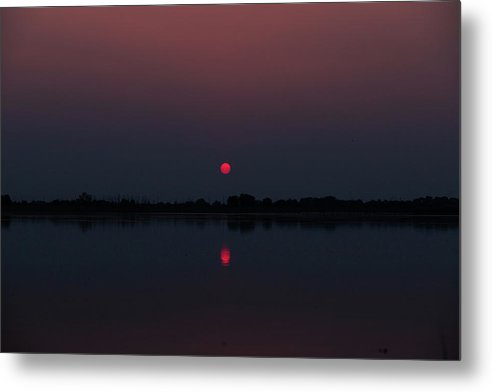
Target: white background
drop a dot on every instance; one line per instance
(474, 373)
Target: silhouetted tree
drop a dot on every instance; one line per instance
(6, 200)
(233, 201)
(246, 200)
(84, 198)
(267, 203)
(201, 203)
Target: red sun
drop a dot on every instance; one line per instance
(225, 168)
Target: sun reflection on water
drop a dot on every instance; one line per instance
(225, 256)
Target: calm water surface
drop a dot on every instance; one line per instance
(215, 287)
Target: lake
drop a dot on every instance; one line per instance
(231, 286)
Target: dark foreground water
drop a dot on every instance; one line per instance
(216, 287)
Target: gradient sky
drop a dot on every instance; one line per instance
(355, 100)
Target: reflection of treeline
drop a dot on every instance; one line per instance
(242, 203)
(243, 223)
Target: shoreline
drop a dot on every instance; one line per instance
(237, 216)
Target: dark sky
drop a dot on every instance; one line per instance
(353, 100)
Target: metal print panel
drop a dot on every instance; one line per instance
(232, 180)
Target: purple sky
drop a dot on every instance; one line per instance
(353, 100)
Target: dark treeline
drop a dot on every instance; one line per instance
(242, 203)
